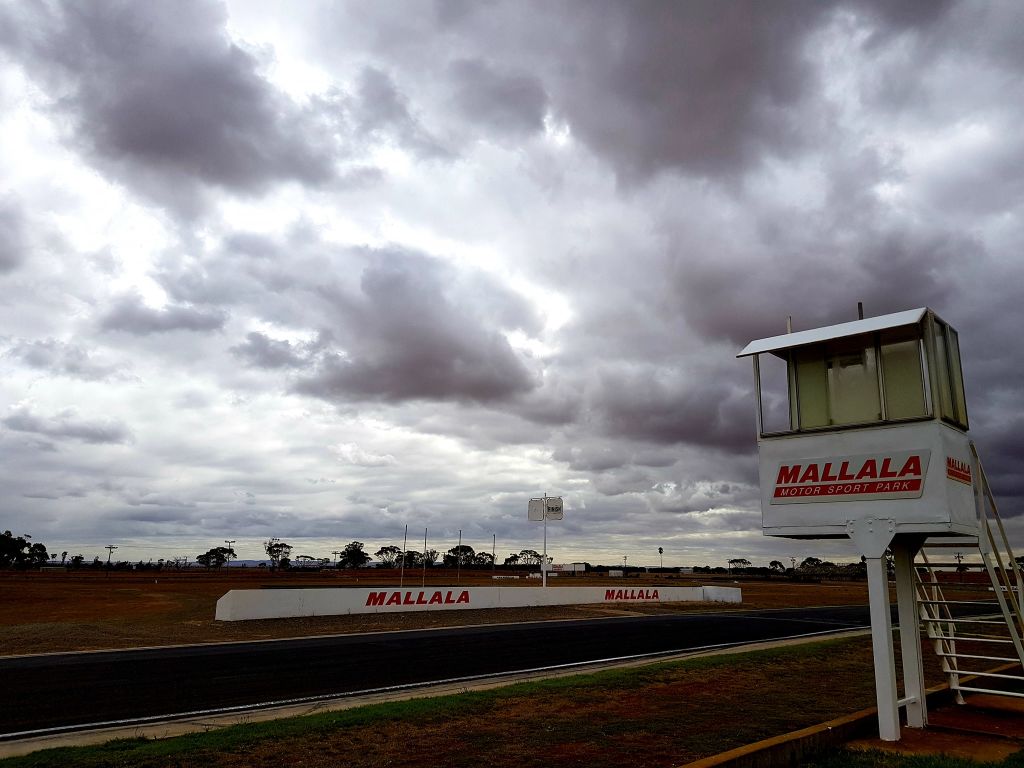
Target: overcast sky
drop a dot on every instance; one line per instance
(323, 270)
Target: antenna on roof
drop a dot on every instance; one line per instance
(789, 323)
(860, 310)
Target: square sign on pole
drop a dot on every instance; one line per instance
(535, 511)
(554, 508)
(546, 508)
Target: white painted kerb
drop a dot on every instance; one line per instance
(241, 604)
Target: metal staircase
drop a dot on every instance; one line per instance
(975, 620)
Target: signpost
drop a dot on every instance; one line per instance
(545, 508)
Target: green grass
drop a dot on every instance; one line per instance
(846, 758)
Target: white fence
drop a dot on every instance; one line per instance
(242, 604)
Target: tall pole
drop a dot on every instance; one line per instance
(110, 551)
(494, 544)
(544, 557)
(458, 560)
(423, 583)
(405, 548)
(227, 562)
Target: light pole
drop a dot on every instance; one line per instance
(110, 551)
(229, 553)
(423, 580)
(405, 550)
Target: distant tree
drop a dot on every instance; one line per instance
(512, 559)
(353, 556)
(810, 562)
(776, 565)
(18, 552)
(661, 556)
(530, 557)
(216, 557)
(483, 560)
(63, 557)
(413, 559)
(76, 561)
(739, 562)
(459, 556)
(430, 556)
(389, 556)
(37, 555)
(306, 561)
(12, 549)
(278, 552)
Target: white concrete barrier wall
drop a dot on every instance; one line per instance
(242, 604)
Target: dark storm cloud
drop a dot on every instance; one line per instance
(505, 103)
(416, 330)
(260, 351)
(700, 87)
(66, 425)
(816, 267)
(130, 315)
(13, 245)
(704, 88)
(695, 409)
(1000, 450)
(158, 97)
(61, 358)
(897, 17)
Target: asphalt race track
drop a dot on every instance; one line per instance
(61, 692)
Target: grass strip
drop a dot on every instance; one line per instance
(848, 758)
(662, 714)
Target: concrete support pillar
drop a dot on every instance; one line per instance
(904, 549)
(881, 643)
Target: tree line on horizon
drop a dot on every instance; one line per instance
(22, 553)
(354, 555)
